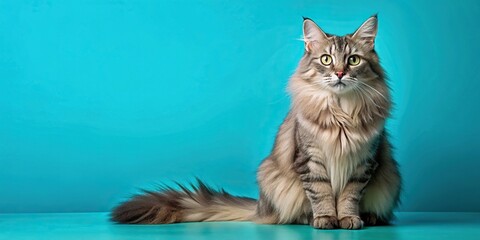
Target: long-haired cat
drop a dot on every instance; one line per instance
(331, 165)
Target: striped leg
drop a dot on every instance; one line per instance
(319, 191)
(348, 209)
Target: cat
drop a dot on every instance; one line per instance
(331, 165)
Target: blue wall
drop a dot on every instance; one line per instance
(98, 98)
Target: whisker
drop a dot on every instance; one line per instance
(365, 94)
(379, 93)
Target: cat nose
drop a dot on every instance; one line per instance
(340, 74)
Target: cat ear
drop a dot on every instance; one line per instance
(312, 33)
(366, 33)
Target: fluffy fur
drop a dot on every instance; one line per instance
(331, 165)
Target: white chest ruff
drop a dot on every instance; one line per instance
(340, 171)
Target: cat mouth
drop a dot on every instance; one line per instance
(339, 84)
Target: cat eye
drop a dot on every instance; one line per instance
(326, 59)
(354, 60)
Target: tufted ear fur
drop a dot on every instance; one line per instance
(366, 33)
(312, 34)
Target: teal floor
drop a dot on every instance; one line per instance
(462, 226)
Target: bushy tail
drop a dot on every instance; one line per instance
(168, 205)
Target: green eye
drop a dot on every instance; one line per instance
(326, 59)
(354, 60)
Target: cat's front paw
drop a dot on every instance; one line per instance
(351, 222)
(325, 222)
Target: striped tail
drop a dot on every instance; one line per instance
(168, 205)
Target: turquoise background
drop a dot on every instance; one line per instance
(100, 97)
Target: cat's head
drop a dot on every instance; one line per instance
(340, 64)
